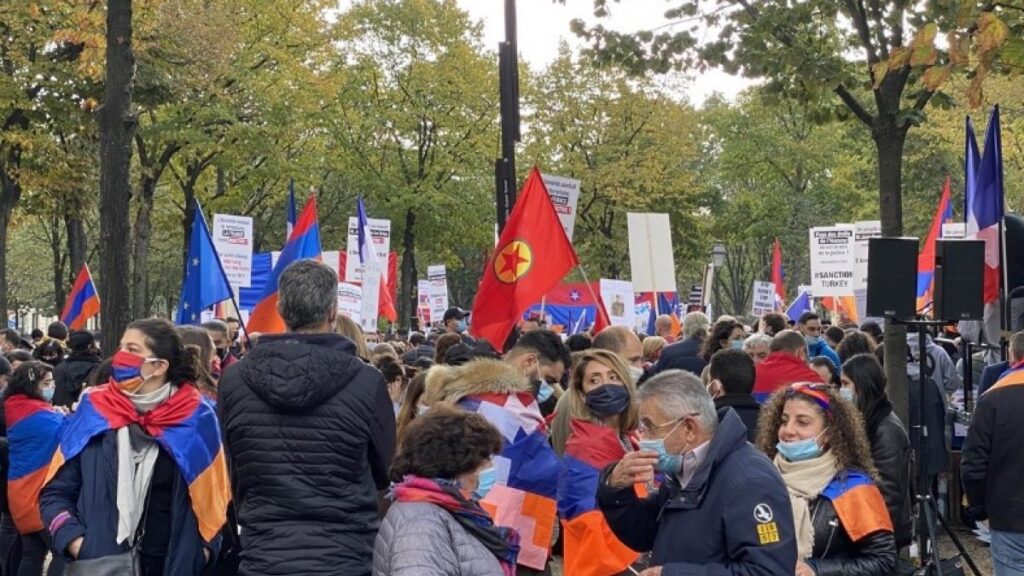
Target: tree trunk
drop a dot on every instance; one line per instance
(59, 287)
(117, 128)
(5, 220)
(143, 234)
(889, 141)
(407, 298)
(77, 242)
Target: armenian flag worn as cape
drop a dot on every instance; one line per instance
(859, 505)
(591, 549)
(185, 426)
(33, 430)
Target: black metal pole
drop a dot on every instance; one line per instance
(508, 74)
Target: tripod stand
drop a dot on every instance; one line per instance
(928, 513)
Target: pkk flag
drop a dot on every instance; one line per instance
(780, 290)
(303, 244)
(926, 259)
(985, 210)
(205, 283)
(533, 255)
(82, 303)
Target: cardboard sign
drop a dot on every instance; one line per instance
(565, 194)
(832, 260)
(764, 298)
(619, 302)
(232, 237)
(651, 262)
(862, 232)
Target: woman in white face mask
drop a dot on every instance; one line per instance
(139, 480)
(604, 411)
(817, 442)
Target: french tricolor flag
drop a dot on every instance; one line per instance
(984, 206)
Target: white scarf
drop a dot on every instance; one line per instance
(135, 464)
(805, 481)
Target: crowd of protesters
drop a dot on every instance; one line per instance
(720, 449)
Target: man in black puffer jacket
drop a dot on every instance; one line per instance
(70, 375)
(310, 432)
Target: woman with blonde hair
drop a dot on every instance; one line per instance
(347, 327)
(604, 414)
(817, 441)
(652, 347)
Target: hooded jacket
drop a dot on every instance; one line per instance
(69, 377)
(310, 432)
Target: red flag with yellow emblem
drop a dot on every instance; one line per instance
(532, 256)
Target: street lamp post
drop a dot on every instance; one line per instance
(718, 254)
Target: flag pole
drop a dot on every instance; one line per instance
(220, 266)
(597, 301)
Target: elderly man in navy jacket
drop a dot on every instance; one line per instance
(722, 508)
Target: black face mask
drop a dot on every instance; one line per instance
(222, 353)
(608, 400)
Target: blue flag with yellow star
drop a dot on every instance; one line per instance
(205, 283)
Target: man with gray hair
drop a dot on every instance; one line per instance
(758, 346)
(685, 354)
(309, 431)
(722, 507)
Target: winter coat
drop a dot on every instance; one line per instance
(992, 466)
(733, 518)
(890, 450)
(81, 500)
(746, 408)
(423, 539)
(823, 349)
(941, 368)
(69, 377)
(310, 432)
(781, 369)
(683, 355)
(835, 554)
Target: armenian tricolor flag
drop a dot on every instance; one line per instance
(303, 244)
(185, 426)
(1011, 377)
(859, 505)
(82, 303)
(33, 430)
(926, 259)
(591, 549)
(524, 496)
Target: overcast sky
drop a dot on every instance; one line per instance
(542, 23)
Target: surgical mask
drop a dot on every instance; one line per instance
(800, 450)
(485, 480)
(636, 373)
(127, 371)
(667, 463)
(608, 400)
(848, 394)
(460, 326)
(47, 393)
(812, 341)
(544, 391)
(736, 344)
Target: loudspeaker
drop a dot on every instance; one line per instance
(892, 277)
(959, 279)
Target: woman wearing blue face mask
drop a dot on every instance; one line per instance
(33, 428)
(436, 525)
(604, 415)
(818, 443)
(864, 384)
(725, 334)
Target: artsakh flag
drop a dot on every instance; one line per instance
(533, 255)
(591, 549)
(527, 479)
(780, 288)
(82, 303)
(33, 430)
(303, 244)
(926, 259)
(185, 426)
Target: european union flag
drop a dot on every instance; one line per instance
(205, 283)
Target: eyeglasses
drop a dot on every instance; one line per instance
(644, 429)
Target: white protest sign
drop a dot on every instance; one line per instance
(423, 301)
(438, 280)
(380, 230)
(232, 237)
(764, 298)
(619, 302)
(565, 194)
(862, 232)
(641, 316)
(350, 301)
(832, 260)
(333, 259)
(954, 231)
(805, 288)
(370, 284)
(207, 315)
(652, 266)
